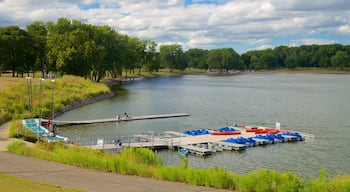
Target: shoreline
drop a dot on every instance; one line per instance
(78, 104)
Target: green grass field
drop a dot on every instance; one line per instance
(17, 184)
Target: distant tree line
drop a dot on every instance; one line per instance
(73, 47)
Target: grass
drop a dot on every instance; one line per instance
(14, 98)
(146, 163)
(17, 184)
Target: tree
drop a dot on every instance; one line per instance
(197, 58)
(341, 60)
(38, 33)
(172, 56)
(267, 60)
(16, 47)
(292, 61)
(72, 52)
(150, 59)
(223, 59)
(135, 54)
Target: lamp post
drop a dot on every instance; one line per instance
(53, 105)
(29, 87)
(41, 98)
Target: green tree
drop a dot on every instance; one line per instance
(71, 52)
(150, 61)
(281, 53)
(197, 58)
(223, 59)
(17, 49)
(172, 56)
(38, 33)
(267, 60)
(341, 60)
(292, 61)
(245, 61)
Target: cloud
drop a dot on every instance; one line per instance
(344, 29)
(240, 24)
(311, 41)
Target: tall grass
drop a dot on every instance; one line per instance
(14, 98)
(144, 162)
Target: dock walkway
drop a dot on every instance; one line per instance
(116, 119)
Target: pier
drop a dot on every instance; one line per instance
(117, 119)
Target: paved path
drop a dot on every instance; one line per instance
(79, 178)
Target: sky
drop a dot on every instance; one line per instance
(207, 24)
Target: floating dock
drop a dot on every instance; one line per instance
(203, 145)
(118, 119)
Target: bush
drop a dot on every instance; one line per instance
(17, 130)
(269, 180)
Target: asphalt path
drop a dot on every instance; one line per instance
(74, 177)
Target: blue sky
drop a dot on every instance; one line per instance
(241, 24)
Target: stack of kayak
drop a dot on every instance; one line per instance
(226, 131)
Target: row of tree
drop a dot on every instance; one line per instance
(73, 47)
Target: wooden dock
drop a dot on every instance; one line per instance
(116, 119)
(231, 146)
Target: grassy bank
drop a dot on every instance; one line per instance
(14, 95)
(144, 162)
(17, 184)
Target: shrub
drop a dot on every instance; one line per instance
(17, 130)
(269, 180)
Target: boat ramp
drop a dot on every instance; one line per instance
(204, 142)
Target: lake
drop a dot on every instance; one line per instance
(318, 104)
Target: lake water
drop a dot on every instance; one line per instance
(318, 104)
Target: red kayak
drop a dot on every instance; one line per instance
(226, 133)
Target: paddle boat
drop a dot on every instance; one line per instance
(197, 132)
(242, 141)
(183, 152)
(293, 136)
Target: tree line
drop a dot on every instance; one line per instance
(90, 51)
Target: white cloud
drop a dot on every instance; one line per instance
(344, 29)
(253, 23)
(262, 47)
(311, 41)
